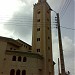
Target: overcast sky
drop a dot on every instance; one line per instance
(16, 18)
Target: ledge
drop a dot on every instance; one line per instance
(23, 53)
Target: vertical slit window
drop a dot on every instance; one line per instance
(47, 19)
(48, 48)
(49, 73)
(38, 29)
(48, 28)
(10, 48)
(29, 48)
(38, 20)
(48, 37)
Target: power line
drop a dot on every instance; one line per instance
(65, 7)
(67, 28)
(61, 5)
(24, 24)
(64, 27)
(20, 22)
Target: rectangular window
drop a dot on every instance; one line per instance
(10, 48)
(38, 20)
(38, 39)
(47, 19)
(49, 73)
(48, 37)
(48, 48)
(48, 60)
(38, 50)
(48, 28)
(38, 29)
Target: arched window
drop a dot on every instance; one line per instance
(39, 12)
(12, 72)
(18, 72)
(24, 59)
(24, 72)
(19, 58)
(14, 58)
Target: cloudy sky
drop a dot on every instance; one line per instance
(16, 18)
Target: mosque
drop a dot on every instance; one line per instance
(19, 58)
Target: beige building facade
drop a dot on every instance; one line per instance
(19, 58)
(42, 38)
(16, 60)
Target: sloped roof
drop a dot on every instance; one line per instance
(10, 40)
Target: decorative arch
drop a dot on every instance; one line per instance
(23, 72)
(24, 59)
(12, 72)
(19, 58)
(18, 72)
(14, 58)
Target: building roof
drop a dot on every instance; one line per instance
(22, 42)
(12, 41)
(9, 40)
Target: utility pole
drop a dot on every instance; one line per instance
(60, 47)
(58, 67)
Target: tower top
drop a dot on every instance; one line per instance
(41, 0)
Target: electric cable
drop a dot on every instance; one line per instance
(24, 24)
(65, 7)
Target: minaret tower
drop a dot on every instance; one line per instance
(41, 36)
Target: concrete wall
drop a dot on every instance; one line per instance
(42, 20)
(24, 46)
(2, 55)
(32, 65)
